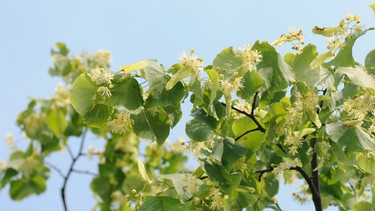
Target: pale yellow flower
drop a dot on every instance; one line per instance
(250, 58)
(121, 124)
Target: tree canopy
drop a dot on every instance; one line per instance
(257, 116)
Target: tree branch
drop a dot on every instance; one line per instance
(71, 168)
(84, 172)
(249, 131)
(251, 115)
(262, 172)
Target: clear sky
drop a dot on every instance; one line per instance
(135, 30)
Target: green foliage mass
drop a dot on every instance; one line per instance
(256, 116)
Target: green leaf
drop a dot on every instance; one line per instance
(169, 97)
(7, 176)
(152, 125)
(366, 163)
(327, 31)
(373, 8)
(350, 139)
(56, 121)
(133, 67)
(252, 83)
(370, 61)
(181, 74)
(162, 203)
(276, 73)
(98, 115)
(20, 189)
(198, 131)
(252, 140)
(232, 153)
(227, 181)
(214, 78)
(83, 94)
(357, 76)
(345, 56)
(227, 62)
(156, 77)
(126, 92)
(362, 206)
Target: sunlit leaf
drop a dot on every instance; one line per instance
(227, 62)
(162, 203)
(152, 124)
(142, 171)
(345, 56)
(83, 94)
(133, 67)
(357, 76)
(128, 93)
(350, 139)
(276, 73)
(98, 115)
(56, 121)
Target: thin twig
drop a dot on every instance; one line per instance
(74, 160)
(84, 172)
(249, 131)
(263, 172)
(56, 169)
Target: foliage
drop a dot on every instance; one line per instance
(257, 116)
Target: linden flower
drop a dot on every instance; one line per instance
(62, 97)
(10, 141)
(193, 61)
(286, 164)
(191, 184)
(294, 142)
(103, 56)
(217, 199)
(121, 124)
(334, 44)
(104, 92)
(101, 76)
(250, 58)
(227, 87)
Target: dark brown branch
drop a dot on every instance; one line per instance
(74, 160)
(315, 176)
(251, 115)
(249, 131)
(261, 172)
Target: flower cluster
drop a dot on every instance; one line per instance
(103, 79)
(250, 58)
(9, 139)
(192, 61)
(294, 142)
(357, 108)
(243, 106)
(348, 26)
(295, 37)
(92, 152)
(103, 57)
(122, 124)
(217, 199)
(62, 95)
(286, 164)
(191, 184)
(228, 86)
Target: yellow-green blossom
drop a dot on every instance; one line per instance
(122, 124)
(250, 58)
(101, 76)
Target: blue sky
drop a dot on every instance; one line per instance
(135, 30)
